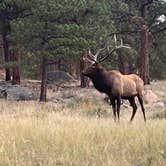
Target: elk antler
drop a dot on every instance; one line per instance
(93, 57)
(98, 52)
(89, 60)
(114, 49)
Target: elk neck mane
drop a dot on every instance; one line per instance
(101, 80)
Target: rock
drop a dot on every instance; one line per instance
(16, 93)
(3, 87)
(150, 97)
(147, 87)
(58, 77)
(67, 98)
(159, 105)
(3, 91)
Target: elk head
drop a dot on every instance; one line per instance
(94, 66)
(92, 70)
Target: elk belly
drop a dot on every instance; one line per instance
(129, 88)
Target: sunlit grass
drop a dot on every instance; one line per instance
(33, 133)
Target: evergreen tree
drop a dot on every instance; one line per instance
(135, 21)
(64, 28)
(10, 10)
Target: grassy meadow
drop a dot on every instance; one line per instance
(34, 134)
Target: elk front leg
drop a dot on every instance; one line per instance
(113, 108)
(118, 108)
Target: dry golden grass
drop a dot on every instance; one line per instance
(33, 134)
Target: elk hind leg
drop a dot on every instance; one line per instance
(133, 104)
(142, 106)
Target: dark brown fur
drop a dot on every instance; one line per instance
(117, 86)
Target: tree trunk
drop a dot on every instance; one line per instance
(16, 69)
(6, 56)
(43, 91)
(39, 72)
(57, 65)
(83, 65)
(145, 54)
(54, 65)
(145, 43)
(75, 70)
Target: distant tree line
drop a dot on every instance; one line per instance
(41, 35)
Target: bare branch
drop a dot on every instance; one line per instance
(159, 30)
(123, 32)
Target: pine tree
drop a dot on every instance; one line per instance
(64, 29)
(10, 10)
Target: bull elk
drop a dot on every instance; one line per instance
(116, 85)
